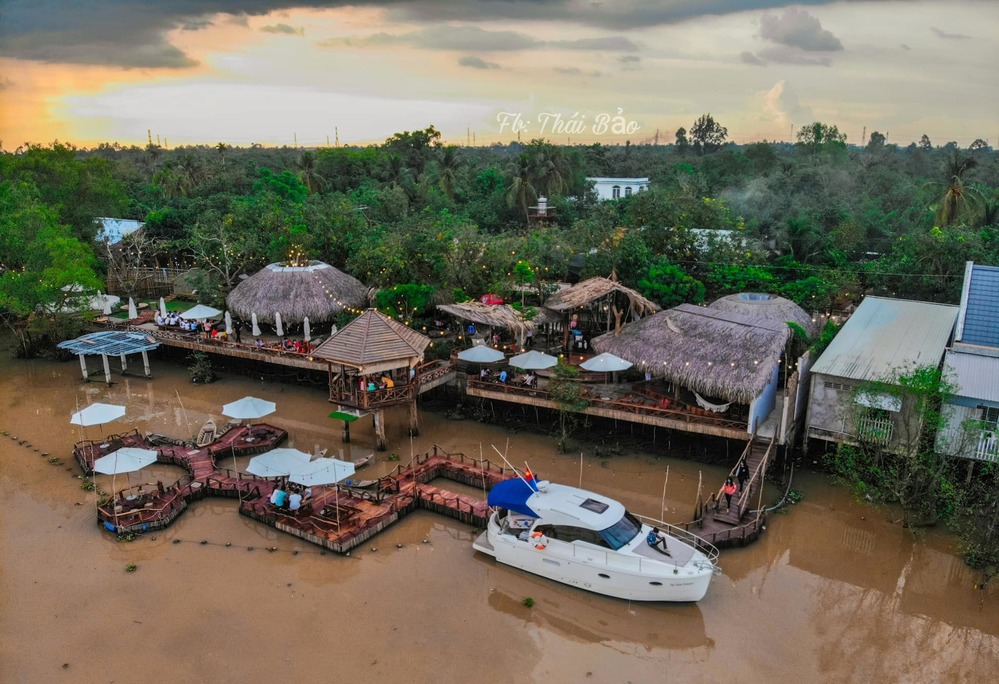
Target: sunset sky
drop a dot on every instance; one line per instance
(266, 71)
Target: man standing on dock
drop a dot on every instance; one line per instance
(237, 328)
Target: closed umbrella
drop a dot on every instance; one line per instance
(533, 360)
(163, 311)
(605, 363)
(278, 327)
(255, 328)
(480, 353)
(306, 330)
(107, 307)
(248, 408)
(132, 311)
(97, 414)
(278, 463)
(228, 323)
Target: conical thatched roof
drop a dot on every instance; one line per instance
(371, 339)
(594, 289)
(317, 290)
(766, 307)
(717, 353)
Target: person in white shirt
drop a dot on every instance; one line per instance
(294, 501)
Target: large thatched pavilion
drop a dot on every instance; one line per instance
(496, 316)
(725, 359)
(315, 290)
(596, 305)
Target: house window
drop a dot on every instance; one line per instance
(874, 426)
(616, 192)
(990, 416)
(627, 191)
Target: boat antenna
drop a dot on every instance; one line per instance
(580, 469)
(662, 510)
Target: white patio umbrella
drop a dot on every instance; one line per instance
(306, 329)
(278, 327)
(278, 463)
(255, 329)
(322, 471)
(228, 323)
(533, 360)
(248, 408)
(605, 363)
(163, 310)
(480, 353)
(125, 460)
(132, 311)
(200, 312)
(107, 307)
(97, 414)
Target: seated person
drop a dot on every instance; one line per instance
(278, 496)
(160, 320)
(223, 336)
(260, 343)
(656, 541)
(503, 375)
(294, 501)
(387, 381)
(530, 380)
(371, 386)
(484, 374)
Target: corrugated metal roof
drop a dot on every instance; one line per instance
(110, 342)
(974, 376)
(981, 315)
(887, 334)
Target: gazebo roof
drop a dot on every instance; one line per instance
(589, 291)
(371, 339)
(316, 290)
(495, 315)
(110, 343)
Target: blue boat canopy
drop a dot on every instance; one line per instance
(512, 494)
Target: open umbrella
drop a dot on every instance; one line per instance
(248, 408)
(278, 327)
(306, 330)
(255, 328)
(480, 353)
(322, 471)
(347, 415)
(132, 311)
(125, 460)
(228, 323)
(533, 360)
(278, 463)
(605, 363)
(97, 414)
(200, 312)
(163, 310)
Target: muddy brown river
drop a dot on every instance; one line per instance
(833, 592)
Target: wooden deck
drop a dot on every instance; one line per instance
(744, 521)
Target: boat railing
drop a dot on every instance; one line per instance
(686, 536)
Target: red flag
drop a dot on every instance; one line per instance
(528, 475)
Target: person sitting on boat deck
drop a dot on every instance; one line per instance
(503, 375)
(294, 500)
(657, 541)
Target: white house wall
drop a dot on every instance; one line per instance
(762, 405)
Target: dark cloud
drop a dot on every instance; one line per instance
(786, 54)
(283, 28)
(576, 71)
(629, 59)
(747, 57)
(797, 28)
(468, 38)
(905, 47)
(133, 33)
(195, 24)
(477, 63)
(948, 36)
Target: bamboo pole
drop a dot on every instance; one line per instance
(662, 509)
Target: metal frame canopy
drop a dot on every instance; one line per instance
(111, 343)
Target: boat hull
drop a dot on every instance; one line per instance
(603, 571)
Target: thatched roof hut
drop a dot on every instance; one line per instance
(596, 289)
(316, 290)
(766, 307)
(727, 352)
(373, 342)
(495, 316)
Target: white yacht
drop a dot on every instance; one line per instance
(588, 541)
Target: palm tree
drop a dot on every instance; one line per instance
(521, 191)
(307, 172)
(958, 201)
(449, 161)
(222, 147)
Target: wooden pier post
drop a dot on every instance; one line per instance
(346, 432)
(380, 442)
(414, 420)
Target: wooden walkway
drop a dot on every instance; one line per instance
(743, 521)
(338, 517)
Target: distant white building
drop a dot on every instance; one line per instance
(616, 188)
(114, 229)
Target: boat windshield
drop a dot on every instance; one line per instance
(622, 532)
